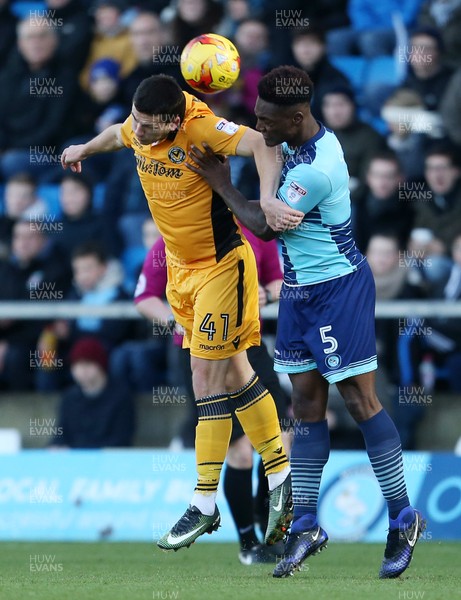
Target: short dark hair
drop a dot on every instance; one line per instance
(22, 177)
(79, 178)
(286, 86)
(160, 95)
(388, 156)
(443, 149)
(91, 248)
(314, 32)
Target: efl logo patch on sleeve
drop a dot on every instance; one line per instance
(295, 192)
(227, 126)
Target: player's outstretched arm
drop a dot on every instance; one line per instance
(217, 174)
(108, 140)
(279, 215)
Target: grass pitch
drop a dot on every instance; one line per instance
(135, 571)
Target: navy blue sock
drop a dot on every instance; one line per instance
(309, 454)
(385, 453)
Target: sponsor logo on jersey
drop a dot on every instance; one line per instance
(156, 167)
(295, 192)
(236, 342)
(227, 126)
(177, 155)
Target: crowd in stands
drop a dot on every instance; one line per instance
(387, 81)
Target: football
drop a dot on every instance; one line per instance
(210, 63)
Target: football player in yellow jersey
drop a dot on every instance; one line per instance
(212, 285)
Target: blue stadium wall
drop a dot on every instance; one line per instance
(137, 495)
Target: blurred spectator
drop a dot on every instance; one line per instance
(148, 38)
(20, 202)
(79, 223)
(138, 232)
(110, 40)
(34, 260)
(189, 18)
(37, 93)
(444, 339)
(282, 19)
(150, 233)
(379, 207)
(393, 281)
(96, 412)
(441, 212)
(438, 213)
(97, 281)
(372, 27)
(310, 53)
(143, 362)
(430, 349)
(252, 41)
(328, 14)
(124, 199)
(34, 271)
(428, 75)
(7, 30)
(449, 108)
(445, 15)
(101, 106)
(97, 109)
(74, 28)
(410, 126)
(359, 140)
(236, 11)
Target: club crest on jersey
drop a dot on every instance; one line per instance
(333, 361)
(227, 126)
(176, 155)
(295, 192)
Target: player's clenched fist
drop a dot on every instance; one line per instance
(72, 157)
(280, 216)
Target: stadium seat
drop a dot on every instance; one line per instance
(382, 70)
(353, 67)
(98, 197)
(132, 260)
(23, 9)
(49, 193)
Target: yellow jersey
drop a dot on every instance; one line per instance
(198, 228)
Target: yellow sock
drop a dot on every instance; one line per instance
(212, 437)
(255, 409)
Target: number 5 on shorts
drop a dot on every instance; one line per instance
(328, 339)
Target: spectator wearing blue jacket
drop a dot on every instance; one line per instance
(372, 27)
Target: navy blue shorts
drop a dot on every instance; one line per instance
(328, 326)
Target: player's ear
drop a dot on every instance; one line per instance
(175, 123)
(298, 117)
